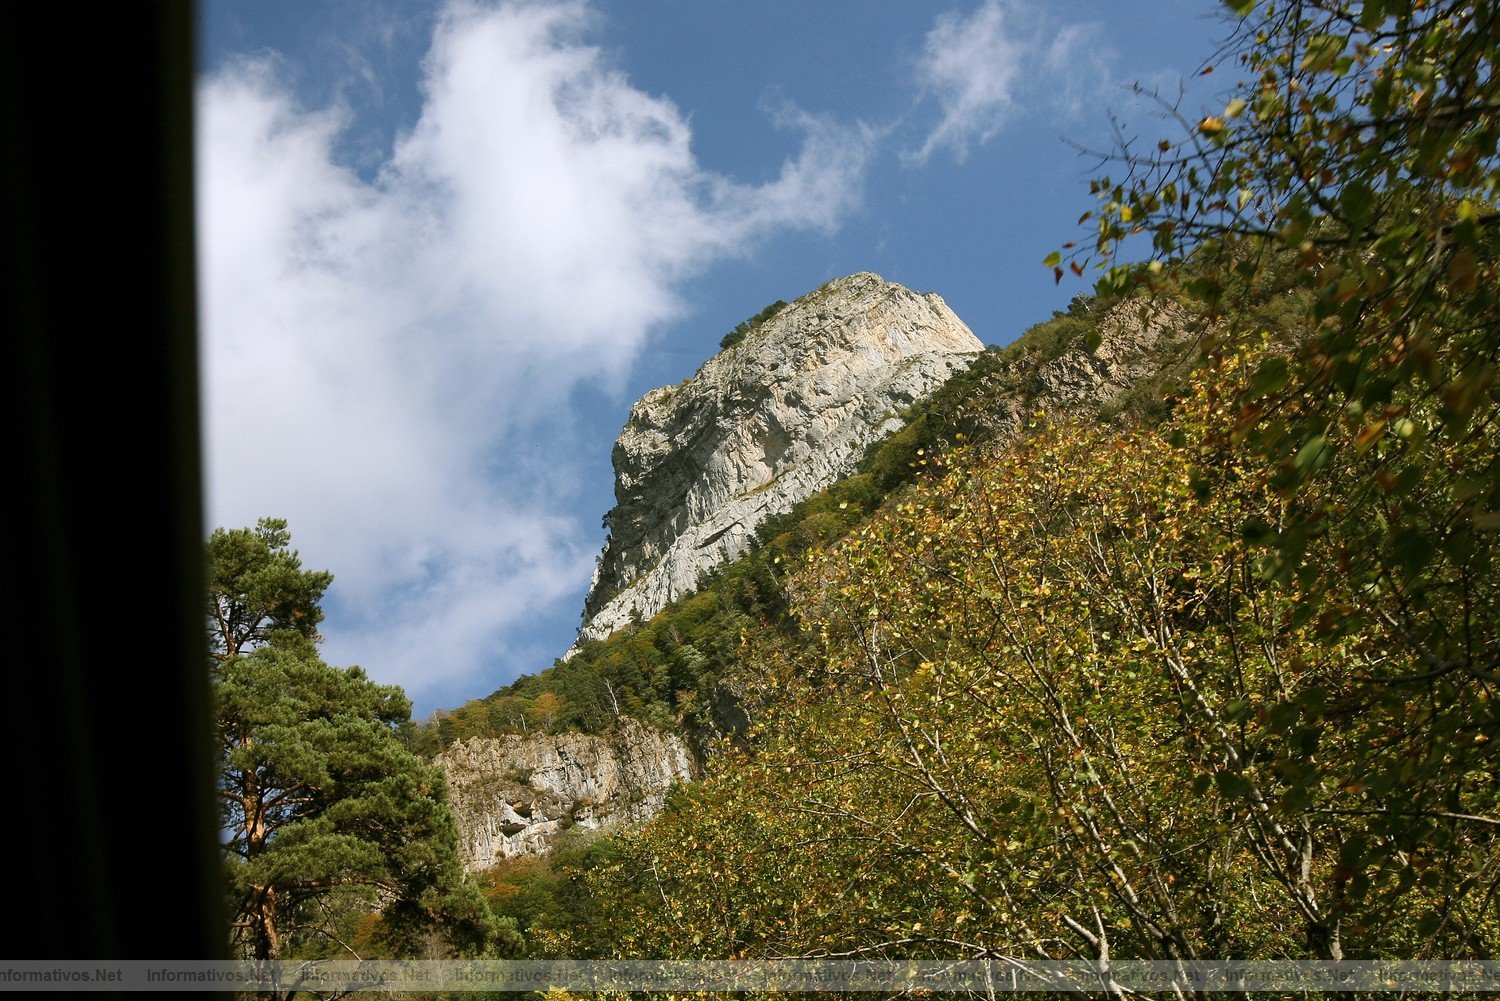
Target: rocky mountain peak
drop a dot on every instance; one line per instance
(788, 407)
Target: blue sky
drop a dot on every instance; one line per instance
(443, 248)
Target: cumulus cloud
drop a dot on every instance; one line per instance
(383, 358)
(997, 62)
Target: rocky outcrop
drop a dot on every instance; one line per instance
(513, 795)
(1138, 343)
(1135, 344)
(765, 423)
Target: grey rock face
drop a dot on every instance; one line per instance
(761, 426)
(1130, 350)
(514, 795)
(1133, 348)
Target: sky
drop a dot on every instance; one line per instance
(444, 246)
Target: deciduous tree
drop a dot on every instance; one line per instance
(1353, 168)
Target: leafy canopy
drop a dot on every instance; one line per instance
(1046, 707)
(1222, 688)
(1352, 172)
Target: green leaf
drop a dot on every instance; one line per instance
(1232, 784)
(1240, 8)
(1296, 799)
(1052, 260)
(1204, 290)
(1468, 487)
(1311, 456)
(1284, 715)
(1314, 700)
(1255, 531)
(1271, 376)
(1380, 96)
(1322, 51)
(1411, 550)
(1306, 740)
(1269, 105)
(1356, 201)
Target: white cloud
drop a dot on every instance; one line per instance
(1000, 61)
(382, 360)
(971, 65)
(1079, 67)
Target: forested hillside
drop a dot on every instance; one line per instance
(678, 670)
(1209, 674)
(1053, 706)
(1166, 632)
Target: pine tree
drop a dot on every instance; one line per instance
(332, 825)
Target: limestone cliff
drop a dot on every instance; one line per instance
(763, 424)
(513, 795)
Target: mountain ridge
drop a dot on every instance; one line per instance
(789, 406)
(671, 678)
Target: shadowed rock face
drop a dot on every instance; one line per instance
(761, 426)
(514, 795)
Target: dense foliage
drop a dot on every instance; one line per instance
(1220, 682)
(1055, 709)
(257, 587)
(545, 895)
(337, 838)
(1355, 159)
